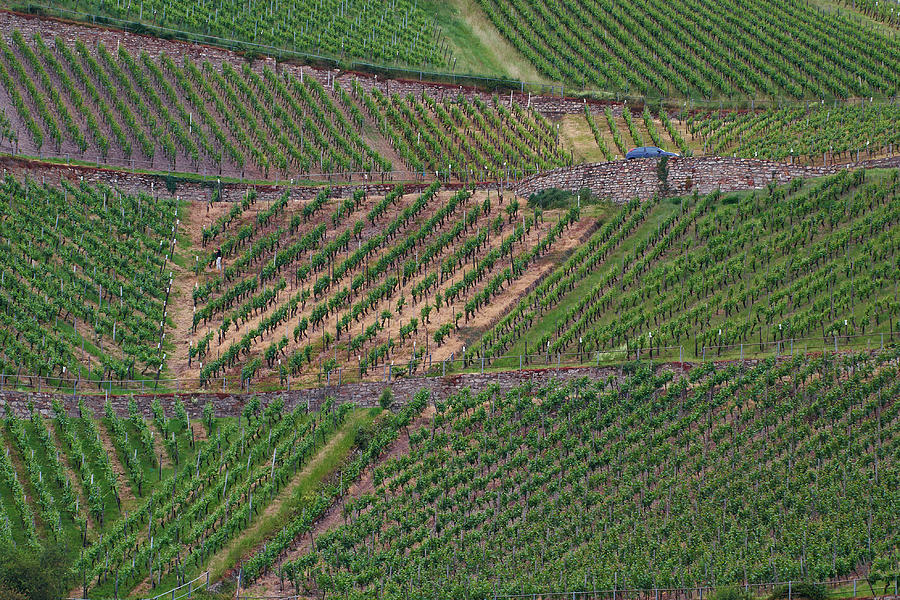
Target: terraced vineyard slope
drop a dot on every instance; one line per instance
(810, 260)
(387, 32)
(130, 109)
(85, 276)
(783, 470)
(301, 289)
(816, 132)
(93, 103)
(690, 48)
(142, 504)
(456, 137)
(72, 479)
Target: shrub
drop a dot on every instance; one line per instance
(36, 575)
(550, 198)
(386, 400)
(171, 184)
(662, 173)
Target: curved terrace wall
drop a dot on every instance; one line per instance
(622, 180)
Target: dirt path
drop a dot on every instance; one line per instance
(199, 430)
(270, 584)
(124, 482)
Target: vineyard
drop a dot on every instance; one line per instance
(782, 470)
(292, 306)
(85, 280)
(616, 130)
(298, 290)
(111, 106)
(887, 12)
(835, 131)
(694, 49)
(147, 502)
(816, 259)
(485, 141)
(98, 105)
(65, 465)
(384, 31)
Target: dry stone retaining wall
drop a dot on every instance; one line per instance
(136, 43)
(622, 180)
(135, 183)
(364, 394)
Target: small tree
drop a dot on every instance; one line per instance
(662, 173)
(386, 400)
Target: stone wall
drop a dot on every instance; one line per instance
(134, 183)
(623, 180)
(137, 43)
(363, 394)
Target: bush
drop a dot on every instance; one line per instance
(7, 593)
(386, 400)
(171, 184)
(33, 574)
(550, 198)
(366, 433)
(800, 589)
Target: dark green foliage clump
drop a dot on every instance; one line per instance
(31, 574)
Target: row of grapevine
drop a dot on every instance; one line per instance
(396, 31)
(598, 136)
(690, 48)
(132, 110)
(838, 131)
(784, 470)
(83, 280)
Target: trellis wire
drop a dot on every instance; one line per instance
(644, 594)
(185, 590)
(427, 367)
